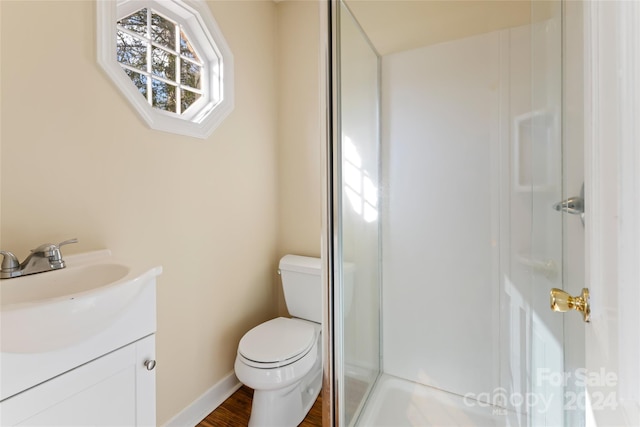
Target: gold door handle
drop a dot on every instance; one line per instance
(562, 301)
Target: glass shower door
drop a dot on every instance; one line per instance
(358, 250)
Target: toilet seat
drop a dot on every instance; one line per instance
(277, 342)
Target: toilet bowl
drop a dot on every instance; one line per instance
(281, 359)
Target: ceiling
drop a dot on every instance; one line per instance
(397, 25)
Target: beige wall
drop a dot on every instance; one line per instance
(216, 213)
(300, 138)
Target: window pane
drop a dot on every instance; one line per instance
(164, 95)
(186, 49)
(140, 80)
(188, 98)
(131, 50)
(163, 31)
(136, 22)
(190, 74)
(164, 64)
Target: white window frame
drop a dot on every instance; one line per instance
(206, 114)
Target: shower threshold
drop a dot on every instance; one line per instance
(396, 402)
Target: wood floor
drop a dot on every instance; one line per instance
(235, 411)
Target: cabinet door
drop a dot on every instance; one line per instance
(145, 385)
(116, 389)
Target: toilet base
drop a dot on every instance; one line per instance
(286, 407)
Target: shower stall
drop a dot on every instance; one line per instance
(455, 133)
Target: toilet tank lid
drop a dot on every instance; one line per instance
(301, 264)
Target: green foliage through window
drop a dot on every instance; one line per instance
(156, 54)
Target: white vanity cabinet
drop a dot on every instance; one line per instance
(117, 389)
(77, 346)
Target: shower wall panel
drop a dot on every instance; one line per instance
(443, 110)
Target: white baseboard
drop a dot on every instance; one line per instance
(205, 404)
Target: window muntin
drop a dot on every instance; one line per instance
(156, 54)
(200, 87)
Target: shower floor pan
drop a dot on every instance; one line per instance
(398, 403)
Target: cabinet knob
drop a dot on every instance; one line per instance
(150, 364)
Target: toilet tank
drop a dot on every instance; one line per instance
(302, 286)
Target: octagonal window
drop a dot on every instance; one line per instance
(171, 80)
(170, 61)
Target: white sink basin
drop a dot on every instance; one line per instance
(57, 309)
(65, 283)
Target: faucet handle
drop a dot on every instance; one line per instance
(66, 242)
(55, 255)
(52, 251)
(9, 261)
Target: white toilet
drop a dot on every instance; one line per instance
(281, 359)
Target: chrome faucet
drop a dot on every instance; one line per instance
(45, 257)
